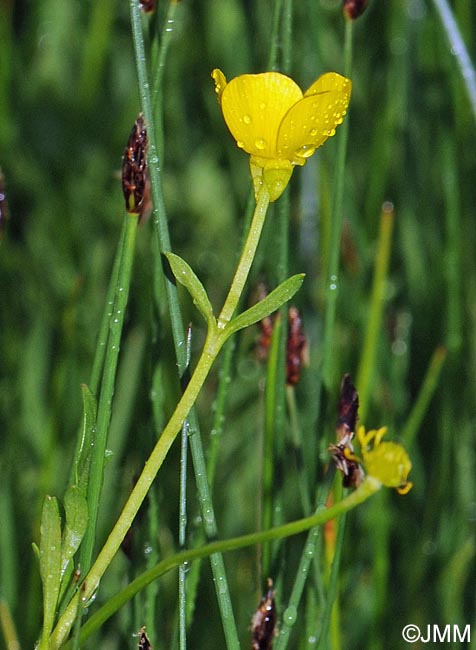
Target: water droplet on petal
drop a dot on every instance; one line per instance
(313, 132)
(262, 106)
(305, 151)
(240, 144)
(247, 119)
(260, 143)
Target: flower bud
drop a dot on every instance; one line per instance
(353, 8)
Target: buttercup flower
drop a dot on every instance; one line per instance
(388, 462)
(279, 126)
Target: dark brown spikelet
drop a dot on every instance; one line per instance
(263, 623)
(148, 6)
(144, 643)
(134, 169)
(354, 8)
(348, 407)
(4, 213)
(296, 347)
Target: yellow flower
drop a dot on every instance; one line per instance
(388, 462)
(279, 127)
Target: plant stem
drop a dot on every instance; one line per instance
(246, 259)
(458, 48)
(213, 344)
(332, 283)
(107, 389)
(182, 593)
(374, 319)
(161, 231)
(368, 487)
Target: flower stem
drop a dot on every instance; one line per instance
(212, 347)
(368, 487)
(246, 259)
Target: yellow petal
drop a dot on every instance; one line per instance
(313, 119)
(253, 107)
(220, 82)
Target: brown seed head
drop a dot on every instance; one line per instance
(296, 347)
(134, 168)
(353, 8)
(263, 624)
(148, 6)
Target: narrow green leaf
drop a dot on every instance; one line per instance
(273, 301)
(50, 562)
(184, 274)
(76, 512)
(83, 455)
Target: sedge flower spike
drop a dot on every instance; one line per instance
(279, 126)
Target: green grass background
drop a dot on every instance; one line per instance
(68, 99)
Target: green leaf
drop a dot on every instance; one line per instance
(50, 562)
(83, 456)
(273, 301)
(76, 512)
(184, 274)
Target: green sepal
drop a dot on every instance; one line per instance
(50, 562)
(76, 515)
(273, 301)
(184, 274)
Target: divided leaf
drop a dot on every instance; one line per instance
(184, 274)
(273, 301)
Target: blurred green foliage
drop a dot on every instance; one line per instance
(68, 100)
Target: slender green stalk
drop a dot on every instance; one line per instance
(425, 394)
(166, 37)
(100, 352)
(183, 524)
(154, 165)
(219, 414)
(107, 390)
(308, 556)
(95, 50)
(246, 259)
(101, 343)
(162, 234)
(302, 475)
(458, 49)
(213, 344)
(7, 626)
(273, 52)
(374, 319)
(369, 487)
(323, 626)
(332, 278)
(269, 451)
